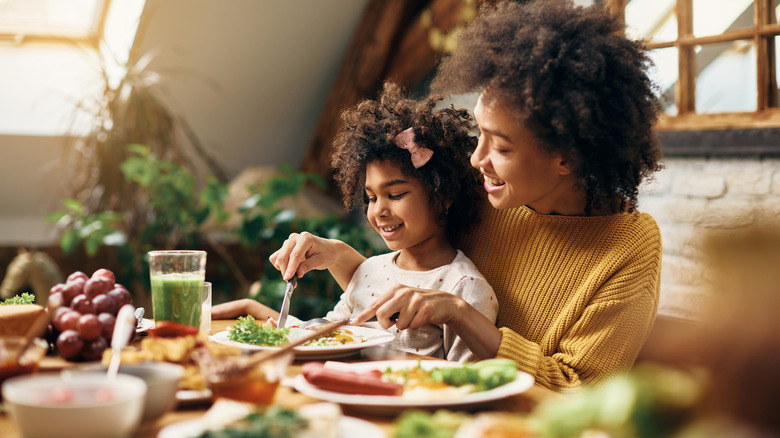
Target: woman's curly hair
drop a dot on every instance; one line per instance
(367, 135)
(575, 81)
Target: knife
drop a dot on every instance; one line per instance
(393, 317)
(291, 283)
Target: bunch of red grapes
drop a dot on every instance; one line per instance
(83, 313)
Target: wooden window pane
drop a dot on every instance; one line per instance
(777, 11)
(714, 17)
(664, 74)
(777, 71)
(651, 20)
(726, 77)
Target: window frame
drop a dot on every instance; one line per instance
(689, 133)
(92, 39)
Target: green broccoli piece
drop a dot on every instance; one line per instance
(493, 373)
(456, 376)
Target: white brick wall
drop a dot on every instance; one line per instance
(694, 196)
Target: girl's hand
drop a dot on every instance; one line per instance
(416, 307)
(301, 253)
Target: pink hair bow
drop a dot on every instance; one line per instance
(420, 154)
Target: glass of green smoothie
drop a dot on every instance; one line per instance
(177, 285)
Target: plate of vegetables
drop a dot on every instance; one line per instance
(230, 419)
(383, 387)
(342, 342)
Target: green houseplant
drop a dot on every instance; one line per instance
(178, 213)
(129, 107)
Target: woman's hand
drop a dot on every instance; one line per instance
(301, 253)
(417, 307)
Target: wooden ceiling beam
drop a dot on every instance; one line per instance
(362, 72)
(416, 57)
(391, 42)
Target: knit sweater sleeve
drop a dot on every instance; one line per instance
(604, 340)
(577, 296)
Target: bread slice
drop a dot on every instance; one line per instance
(16, 319)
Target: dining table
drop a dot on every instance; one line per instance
(287, 397)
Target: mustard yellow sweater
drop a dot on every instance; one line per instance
(577, 295)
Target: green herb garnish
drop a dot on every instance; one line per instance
(247, 331)
(269, 423)
(414, 423)
(24, 298)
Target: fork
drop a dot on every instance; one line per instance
(316, 322)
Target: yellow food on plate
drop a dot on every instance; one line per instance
(176, 350)
(495, 425)
(452, 424)
(16, 319)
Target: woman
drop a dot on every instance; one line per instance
(565, 113)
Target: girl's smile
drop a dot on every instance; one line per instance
(401, 212)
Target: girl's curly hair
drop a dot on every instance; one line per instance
(575, 81)
(367, 136)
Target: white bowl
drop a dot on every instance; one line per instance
(53, 406)
(162, 382)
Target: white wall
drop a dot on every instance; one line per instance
(29, 188)
(39, 85)
(696, 196)
(283, 55)
(255, 76)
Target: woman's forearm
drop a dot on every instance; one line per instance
(478, 332)
(346, 262)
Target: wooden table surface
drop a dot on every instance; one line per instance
(289, 398)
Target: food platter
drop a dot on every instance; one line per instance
(373, 337)
(191, 397)
(383, 404)
(144, 325)
(347, 427)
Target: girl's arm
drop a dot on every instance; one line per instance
(243, 307)
(478, 332)
(303, 252)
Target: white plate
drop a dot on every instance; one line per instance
(187, 397)
(384, 404)
(146, 324)
(373, 338)
(349, 427)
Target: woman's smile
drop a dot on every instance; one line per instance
(493, 185)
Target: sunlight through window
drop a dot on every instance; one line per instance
(20, 19)
(51, 53)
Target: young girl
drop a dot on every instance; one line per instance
(405, 162)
